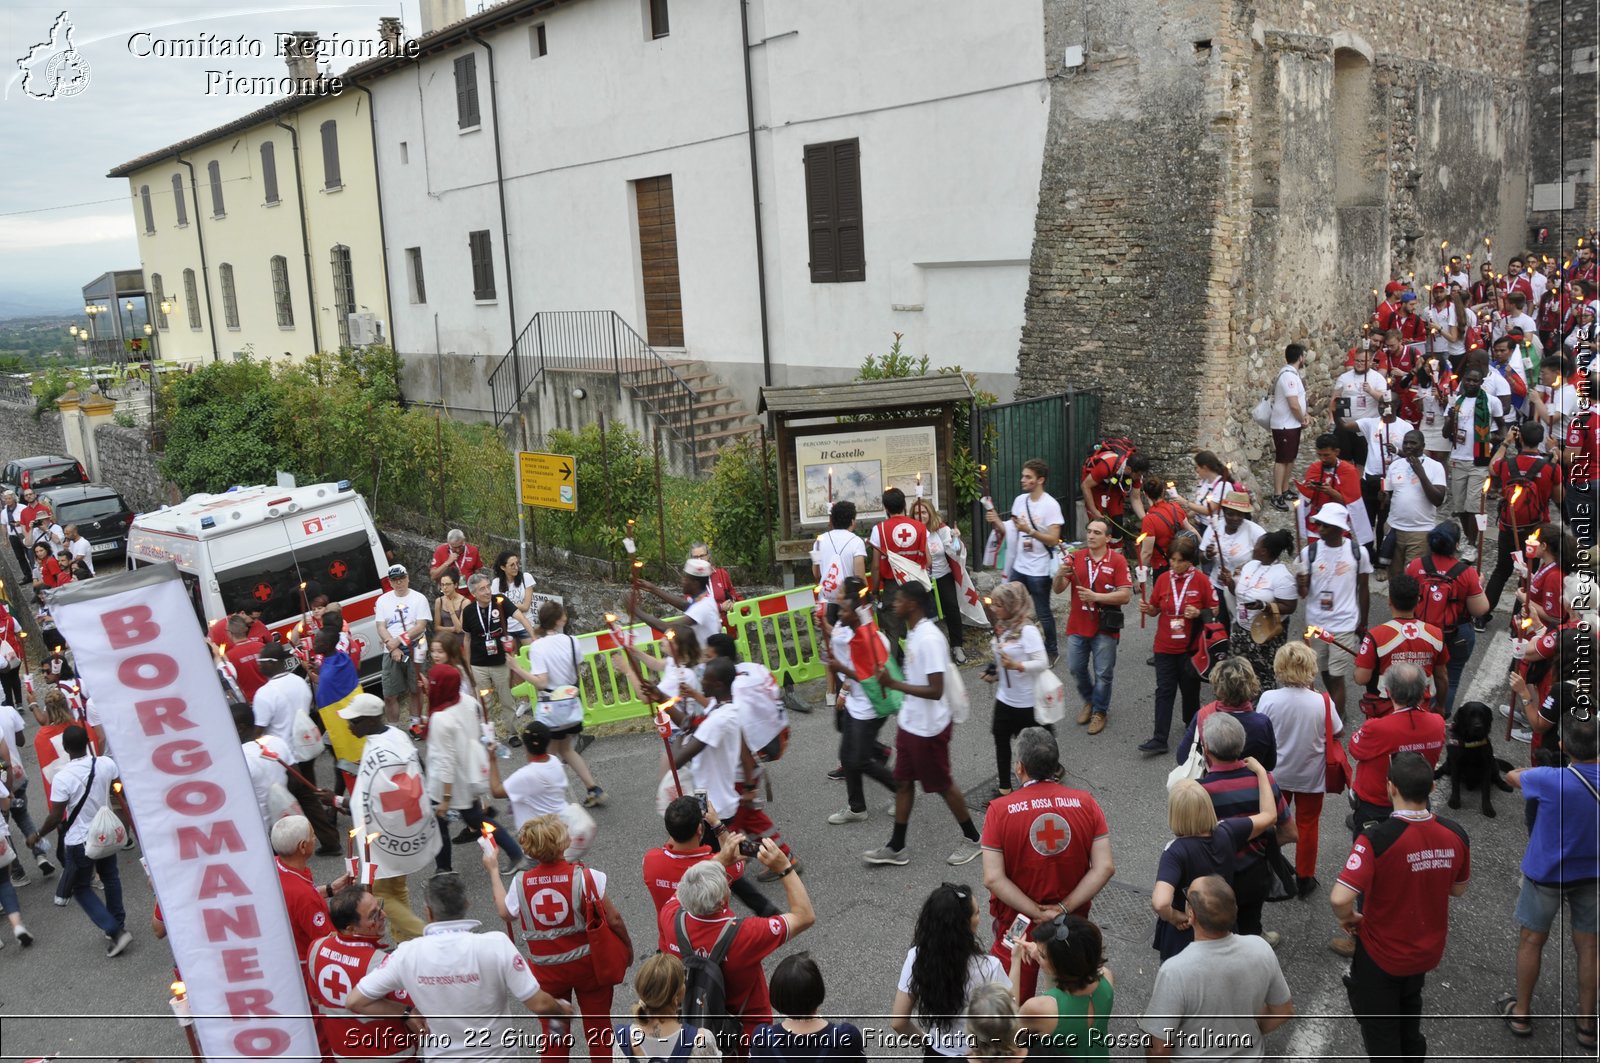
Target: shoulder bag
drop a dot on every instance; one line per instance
(608, 954)
(1336, 772)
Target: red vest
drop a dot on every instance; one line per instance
(906, 537)
(337, 963)
(550, 909)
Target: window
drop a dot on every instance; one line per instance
(161, 297)
(342, 566)
(149, 215)
(177, 199)
(405, 154)
(214, 173)
(658, 261)
(419, 293)
(269, 171)
(280, 291)
(537, 44)
(191, 295)
(482, 264)
(344, 292)
(833, 212)
(467, 92)
(230, 296)
(659, 26)
(330, 155)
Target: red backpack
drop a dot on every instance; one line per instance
(1532, 506)
(1437, 604)
(1120, 447)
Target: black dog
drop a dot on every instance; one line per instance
(1469, 758)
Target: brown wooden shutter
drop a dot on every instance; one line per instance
(658, 260)
(177, 199)
(149, 215)
(467, 92)
(269, 172)
(214, 172)
(820, 213)
(330, 154)
(482, 264)
(848, 245)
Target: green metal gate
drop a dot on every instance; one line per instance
(1060, 429)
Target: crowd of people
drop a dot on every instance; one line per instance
(1482, 399)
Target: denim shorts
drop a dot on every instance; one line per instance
(1537, 906)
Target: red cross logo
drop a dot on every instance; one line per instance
(262, 593)
(1049, 834)
(338, 569)
(335, 984)
(904, 536)
(406, 796)
(549, 907)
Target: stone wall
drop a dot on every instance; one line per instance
(22, 436)
(1563, 42)
(1223, 179)
(128, 464)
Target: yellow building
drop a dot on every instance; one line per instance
(263, 235)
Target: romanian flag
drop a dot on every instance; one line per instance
(337, 683)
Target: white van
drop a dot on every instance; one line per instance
(275, 547)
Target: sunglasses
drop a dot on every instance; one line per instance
(964, 892)
(1055, 929)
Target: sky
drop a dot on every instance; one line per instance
(62, 221)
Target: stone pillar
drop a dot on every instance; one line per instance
(95, 410)
(72, 436)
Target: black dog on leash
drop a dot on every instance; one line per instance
(1469, 758)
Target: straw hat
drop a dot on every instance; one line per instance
(1238, 501)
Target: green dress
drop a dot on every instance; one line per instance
(1072, 1037)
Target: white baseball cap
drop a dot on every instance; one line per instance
(362, 705)
(1334, 515)
(697, 566)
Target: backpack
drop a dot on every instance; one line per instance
(1437, 604)
(1528, 510)
(681, 1048)
(1119, 446)
(705, 997)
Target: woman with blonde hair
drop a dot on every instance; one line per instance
(1201, 845)
(655, 1032)
(1019, 657)
(1300, 714)
(1234, 683)
(558, 945)
(994, 1026)
(944, 542)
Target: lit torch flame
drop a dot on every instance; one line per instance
(179, 990)
(1142, 537)
(1486, 486)
(611, 618)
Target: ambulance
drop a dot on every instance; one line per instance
(272, 548)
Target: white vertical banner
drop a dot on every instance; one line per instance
(142, 657)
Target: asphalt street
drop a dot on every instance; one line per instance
(51, 994)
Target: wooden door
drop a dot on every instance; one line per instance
(658, 260)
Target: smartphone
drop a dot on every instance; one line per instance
(749, 847)
(700, 795)
(1018, 931)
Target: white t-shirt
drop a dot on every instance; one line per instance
(1560, 406)
(927, 653)
(1261, 583)
(1235, 547)
(465, 983)
(1383, 442)
(277, 701)
(514, 891)
(952, 1040)
(703, 614)
(81, 550)
(1332, 603)
(856, 702)
(716, 767)
(759, 701)
(555, 655)
(538, 788)
(521, 585)
(68, 787)
(265, 773)
(10, 726)
(1432, 425)
(1466, 419)
(1445, 318)
(1023, 645)
(1409, 508)
(939, 543)
(834, 553)
(676, 680)
(1287, 386)
(1032, 558)
(1353, 386)
(1299, 723)
(398, 615)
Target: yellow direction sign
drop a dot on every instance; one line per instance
(548, 480)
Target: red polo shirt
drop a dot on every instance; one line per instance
(1172, 595)
(1403, 869)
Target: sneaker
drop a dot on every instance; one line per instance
(1153, 747)
(19, 877)
(1278, 502)
(595, 799)
(1343, 945)
(521, 865)
(467, 834)
(1522, 734)
(837, 774)
(848, 815)
(1481, 623)
(1097, 724)
(24, 938)
(1272, 937)
(959, 655)
(1470, 556)
(119, 943)
(966, 852)
(886, 855)
(46, 866)
(59, 901)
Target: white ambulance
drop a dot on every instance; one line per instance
(274, 548)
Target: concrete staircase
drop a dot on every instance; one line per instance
(718, 417)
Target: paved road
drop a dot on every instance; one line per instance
(866, 914)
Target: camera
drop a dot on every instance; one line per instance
(749, 847)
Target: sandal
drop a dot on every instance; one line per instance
(1519, 1025)
(1586, 1037)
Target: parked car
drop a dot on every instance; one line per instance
(101, 515)
(41, 471)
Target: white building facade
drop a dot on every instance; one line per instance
(553, 155)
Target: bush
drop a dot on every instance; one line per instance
(226, 424)
(743, 504)
(51, 385)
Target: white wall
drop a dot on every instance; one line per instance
(946, 98)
